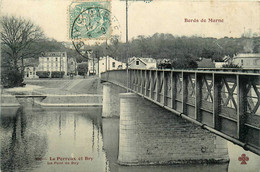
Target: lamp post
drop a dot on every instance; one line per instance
(106, 55)
(127, 78)
(97, 62)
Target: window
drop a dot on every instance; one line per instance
(48, 59)
(113, 64)
(137, 62)
(242, 62)
(56, 59)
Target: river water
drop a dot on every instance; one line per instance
(78, 139)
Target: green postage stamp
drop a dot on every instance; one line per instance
(89, 20)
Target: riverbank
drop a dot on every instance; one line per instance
(60, 92)
(89, 85)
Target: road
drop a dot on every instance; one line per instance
(89, 85)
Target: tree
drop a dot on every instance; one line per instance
(82, 68)
(17, 36)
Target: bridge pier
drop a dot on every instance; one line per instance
(110, 106)
(150, 134)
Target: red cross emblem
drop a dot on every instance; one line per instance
(243, 159)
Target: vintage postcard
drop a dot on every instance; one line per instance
(130, 85)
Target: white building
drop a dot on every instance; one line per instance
(108, 63)
(142, 63)
(30, 68)
(53, 61)
(30, 72)
(247, 60)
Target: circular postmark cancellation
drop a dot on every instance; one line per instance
(94, 25)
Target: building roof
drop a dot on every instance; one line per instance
(248, 55)
(108, 58)
(144, 60)
(54, 54)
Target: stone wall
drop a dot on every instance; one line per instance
(111, 100)
(150, 134)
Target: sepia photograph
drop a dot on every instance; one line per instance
(130, 86)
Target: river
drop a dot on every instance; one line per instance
(78, 139)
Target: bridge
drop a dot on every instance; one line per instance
(225, 103)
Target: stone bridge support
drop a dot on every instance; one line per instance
(150, 134)
(110, 106)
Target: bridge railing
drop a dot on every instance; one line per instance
(226, 102)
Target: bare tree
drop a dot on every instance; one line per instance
(17, 35)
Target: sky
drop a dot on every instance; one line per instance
(158, 16)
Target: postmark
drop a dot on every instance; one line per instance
(91, 23)
(90, 20)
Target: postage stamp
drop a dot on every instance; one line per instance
(89, 20)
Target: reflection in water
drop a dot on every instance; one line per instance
(33, 135)
(18, 140)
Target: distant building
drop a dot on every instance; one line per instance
(30, 72)
(220, 64)
(30, 68)
(53, 61)
(247, 60)
(141, 63)
(108, 63)
(72, 66)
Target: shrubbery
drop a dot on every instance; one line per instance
(47, 74)
(43, 74)
(11, 78)
(57, 74)
(231, 65)
(82, 68)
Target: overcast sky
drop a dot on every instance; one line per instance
(162, 16)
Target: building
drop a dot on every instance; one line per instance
(72, 66)
(220, 64)
(53, 61)
(247, 60)
(141, 63)
(30, 72)
(30, 68)
(108, 63)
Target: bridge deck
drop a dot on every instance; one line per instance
(226, 103)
